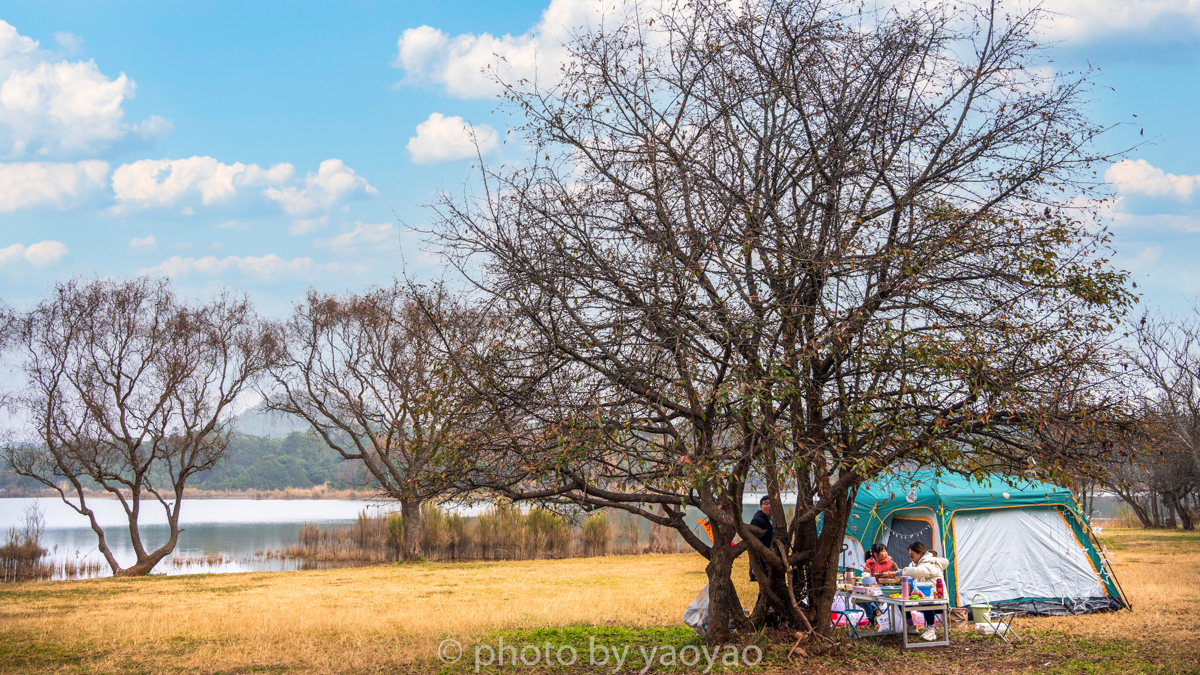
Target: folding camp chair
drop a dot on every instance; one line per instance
(1002, 625)
(852, 617)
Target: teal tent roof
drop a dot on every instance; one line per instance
(955, 492)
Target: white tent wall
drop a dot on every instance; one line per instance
(1031, 552)
(853, 555)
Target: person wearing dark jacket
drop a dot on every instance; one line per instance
(762, 520)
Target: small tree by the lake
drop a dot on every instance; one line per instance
(128, 391)
(379, 376)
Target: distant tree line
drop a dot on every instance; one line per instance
(298, 460)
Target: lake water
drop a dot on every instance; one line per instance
(233, 528)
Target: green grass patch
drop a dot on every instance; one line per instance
(587, 649)
(20, 652)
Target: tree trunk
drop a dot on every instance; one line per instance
(724, 606)
(1180, 506)
(823, 584)
(1139, 509)
(146, 561)
(410, 511)
(773, 592)
(146, 564)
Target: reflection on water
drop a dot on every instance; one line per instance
(219, 535)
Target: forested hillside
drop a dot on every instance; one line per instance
(299, 460)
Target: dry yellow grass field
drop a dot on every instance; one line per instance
(336, 620)
(389, 618)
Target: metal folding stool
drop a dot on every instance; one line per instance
(852, 622)
(1001, 623)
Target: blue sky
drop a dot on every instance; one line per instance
(274, 146)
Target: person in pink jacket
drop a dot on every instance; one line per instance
(881, 566)
(926, 566)
(879, 563)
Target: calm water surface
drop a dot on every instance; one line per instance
(233, 528)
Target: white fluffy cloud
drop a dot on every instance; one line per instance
(58, 185)
(40, 254)
(143, 243)
(360, 236)
(52, 107)
(333, 184)
(1091, 20)
(1139, 177)
(460, 64)
(197, 182)
(269, 267)
(444, 139)
(464, 65)
(1146, 260)
(70, 42)
(306, 225)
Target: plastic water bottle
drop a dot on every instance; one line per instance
(940, 591)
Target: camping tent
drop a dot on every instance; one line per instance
(1020, 545)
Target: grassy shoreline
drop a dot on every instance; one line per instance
(391, 618)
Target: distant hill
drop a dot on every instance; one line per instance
(258, 421)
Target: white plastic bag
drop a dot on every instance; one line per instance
(696, 614)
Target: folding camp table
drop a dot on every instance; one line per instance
(896, 607)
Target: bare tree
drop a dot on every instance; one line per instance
(378, 376)
(128, 390)
(1168, 474)
(795, 242)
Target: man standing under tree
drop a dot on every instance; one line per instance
(762, 520)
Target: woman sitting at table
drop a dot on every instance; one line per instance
(926, 567)
(881, 566)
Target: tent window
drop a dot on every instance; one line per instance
(904, 532)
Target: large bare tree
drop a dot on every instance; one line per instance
(795, 242)
(379, 377)
(128, 391)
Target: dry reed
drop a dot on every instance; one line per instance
(51, 571)
(500, 533)
(21, 556)
(1122, 517)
